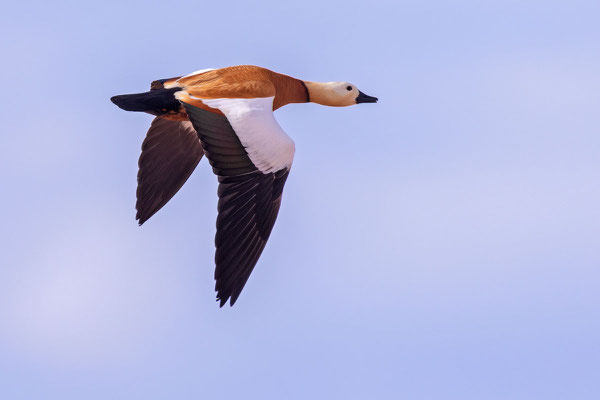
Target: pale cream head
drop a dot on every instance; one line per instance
(336, 94)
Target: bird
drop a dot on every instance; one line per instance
(226, 114)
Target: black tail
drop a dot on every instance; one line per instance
(156, 102)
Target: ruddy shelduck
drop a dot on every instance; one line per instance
(227, 115)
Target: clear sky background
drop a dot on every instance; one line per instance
(442, 244)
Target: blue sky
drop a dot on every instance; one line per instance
(441, 244)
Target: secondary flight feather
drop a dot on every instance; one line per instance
(227, 115)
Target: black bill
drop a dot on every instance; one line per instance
(363, 98)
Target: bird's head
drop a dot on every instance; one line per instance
(336, 94)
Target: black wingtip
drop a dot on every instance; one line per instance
(222, 301)
(140, 219)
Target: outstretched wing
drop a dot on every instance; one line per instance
(251, 156)
(170, 154)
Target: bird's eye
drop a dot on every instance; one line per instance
(348, 88)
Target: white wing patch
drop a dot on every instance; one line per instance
(200, 71)
(268, 146)
(175, 83)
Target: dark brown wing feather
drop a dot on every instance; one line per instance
(170, 154)
(248, 207)
(249, 202)
(160, 83)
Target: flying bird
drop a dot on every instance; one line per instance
(227, 115)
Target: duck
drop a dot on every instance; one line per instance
(226, 114)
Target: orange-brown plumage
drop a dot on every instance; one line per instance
(244, 81)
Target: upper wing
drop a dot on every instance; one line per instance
(170, 154)
(252, 157)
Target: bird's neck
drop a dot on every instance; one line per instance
(288, 90)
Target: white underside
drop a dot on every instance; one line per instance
(270, 149)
